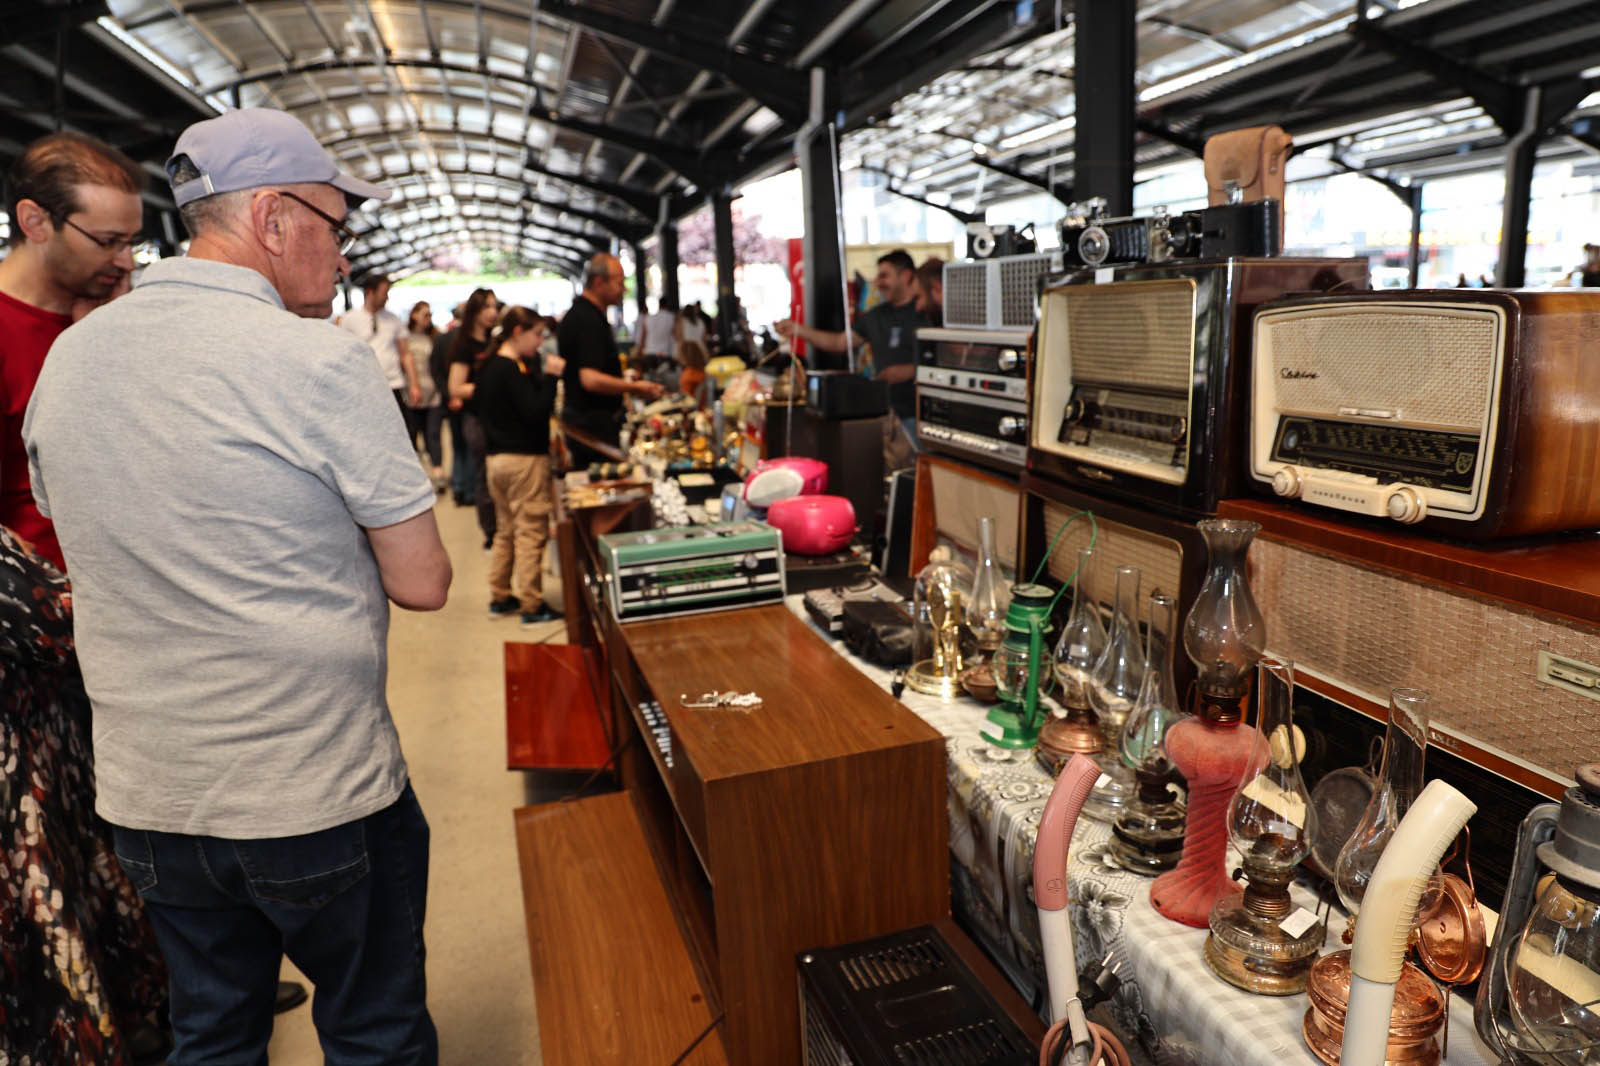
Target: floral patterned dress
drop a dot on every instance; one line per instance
(79, 966)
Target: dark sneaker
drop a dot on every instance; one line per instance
(543, 614)
(501, 608)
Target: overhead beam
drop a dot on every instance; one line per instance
(1500, 100)
(775, 87)
(1195, 146)
(671, 155)
(627, 231)
(644, 203)
(959, 215)
(1065, 197)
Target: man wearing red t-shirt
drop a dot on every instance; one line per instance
(75, 216)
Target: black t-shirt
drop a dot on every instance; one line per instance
(892, 332)
(585, 340)
(513, 402)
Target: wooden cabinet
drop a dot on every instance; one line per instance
(817, 818)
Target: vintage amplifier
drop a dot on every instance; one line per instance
(990, 427)
(1475, 414)
(1140, 376)
(687, 570)
(999, 293)
(1000, 352)
(1169, 552)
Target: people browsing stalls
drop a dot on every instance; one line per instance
(595, 384)
(386, 335)
(425, 418)
(467, 352)
(514, 399)
(266, 514)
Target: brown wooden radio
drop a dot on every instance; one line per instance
(1474, 414)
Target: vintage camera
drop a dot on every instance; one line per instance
(991, 242)
(1089, 239)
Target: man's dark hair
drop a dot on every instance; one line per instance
(49, 171)
(372, 282)
(900, 259)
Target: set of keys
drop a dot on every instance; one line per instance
(732, 701)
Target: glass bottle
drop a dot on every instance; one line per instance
(1405, 744)
(990, 595)
(1270, 823)
(1148, 835)
(1083, 638)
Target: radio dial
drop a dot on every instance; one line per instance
(1077, 411)
(1286, 482)
(1008, 360)
(1406, 506)
(1011, 426)
(1178, 431)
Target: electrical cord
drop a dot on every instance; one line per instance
(696, 1041)
(1104, 1048)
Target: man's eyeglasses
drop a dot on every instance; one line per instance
(114, 245)
(341, 232)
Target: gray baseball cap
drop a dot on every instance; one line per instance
(258, 146)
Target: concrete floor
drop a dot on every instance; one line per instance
(446, 691)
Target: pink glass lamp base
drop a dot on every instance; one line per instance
(1213, 756)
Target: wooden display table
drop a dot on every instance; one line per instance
(816, 819)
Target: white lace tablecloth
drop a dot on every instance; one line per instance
(1169, 1001)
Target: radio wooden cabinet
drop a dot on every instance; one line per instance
(817, 818)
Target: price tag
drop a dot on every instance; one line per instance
(1299, 923)
(1104, 275)
(1102, 781)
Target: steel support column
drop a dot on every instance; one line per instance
(1522, 150)
(1414, 261)
(727, 302)
(1106, 58)
(822, 257)
(641, 283)
(667, 253)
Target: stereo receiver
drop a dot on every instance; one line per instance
(661, 572)
(986, 351)
(1139, 382)
(1473, 413)
(972, 395)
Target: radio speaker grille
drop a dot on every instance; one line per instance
(1137, 333)
(966, 295)
(1159, 559)
(1428, 366)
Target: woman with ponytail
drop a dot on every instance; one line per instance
(467, 353)
(514, 398)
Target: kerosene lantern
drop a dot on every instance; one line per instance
(1271, 823)
(1021, 665)
(1147, 835)
(1539, 1000)
(1113, 688)
(1225, 636)
(938, 613)
(1078, 650)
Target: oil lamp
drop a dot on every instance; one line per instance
(1021, 664)
(1271, 823)
(987, 602)
(1078, 649)
(1539, 1000)
(1112, 690)
(1225, 636)
(1148, 835)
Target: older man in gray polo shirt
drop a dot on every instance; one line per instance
(239, 505)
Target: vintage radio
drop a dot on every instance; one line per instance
(687, 570)
(1088, 239)
(1000, 293)
(984, 351)
(1169, 552)
(1475, 414)
(1139, 382)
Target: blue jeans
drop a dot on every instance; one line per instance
(460, 461)
(345, 904)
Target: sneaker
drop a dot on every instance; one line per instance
(501, 608)
(543, 614)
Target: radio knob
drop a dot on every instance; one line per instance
(1286, 482)
(1406, 506)
(1008, 360)
(1011, 426)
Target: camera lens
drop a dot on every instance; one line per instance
(1094, 245)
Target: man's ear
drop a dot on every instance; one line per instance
(34, 221)
(269, 219)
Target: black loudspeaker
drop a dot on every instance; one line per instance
(852, 448)
(891, 547)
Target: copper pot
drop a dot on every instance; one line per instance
(1414, 1022)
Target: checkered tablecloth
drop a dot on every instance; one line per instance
(1170, 1004)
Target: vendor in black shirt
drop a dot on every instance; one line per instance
(513, 396)
(890, 328)
(593, 375)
